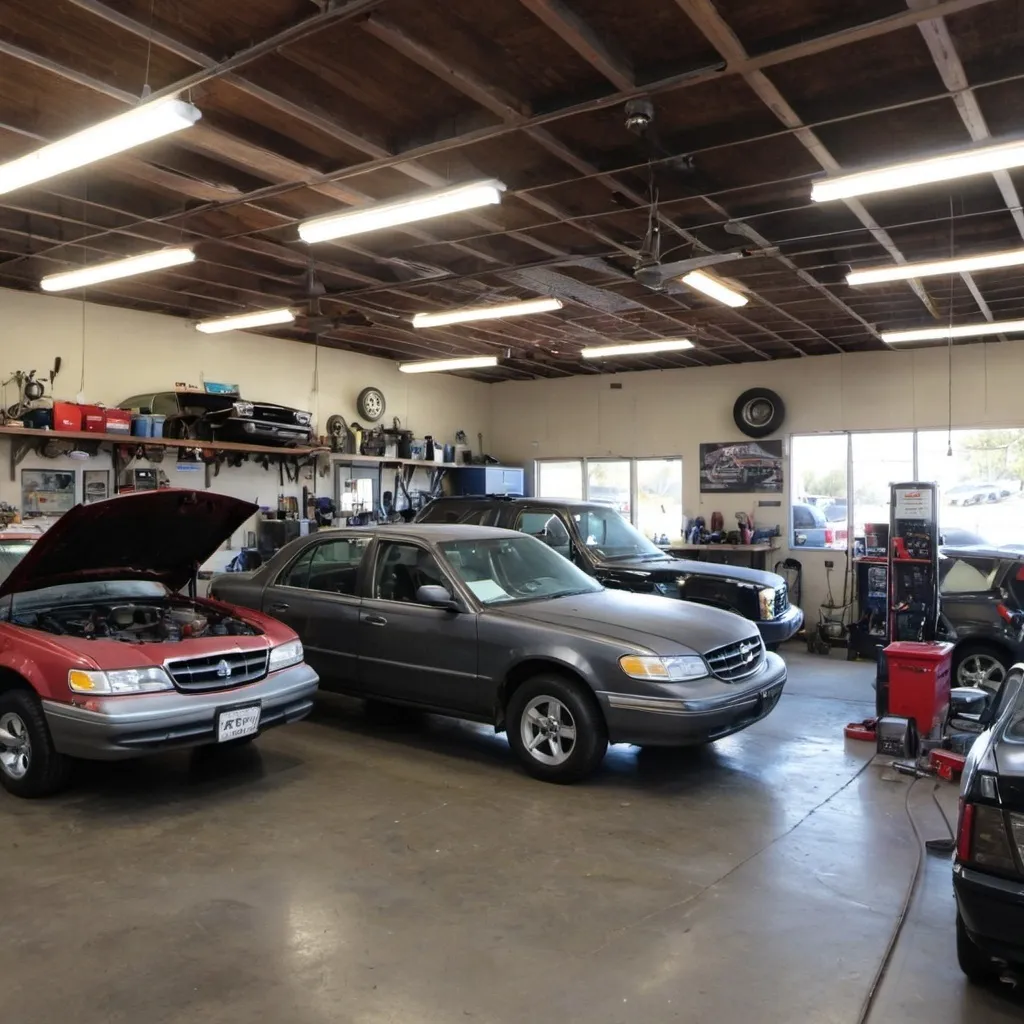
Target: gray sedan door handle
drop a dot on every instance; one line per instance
(274, 609)
(375, 620)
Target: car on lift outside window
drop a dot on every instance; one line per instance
(606, 546)
(494, 626)
(102, 658)
(988, 870)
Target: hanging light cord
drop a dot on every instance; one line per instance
(949, 341)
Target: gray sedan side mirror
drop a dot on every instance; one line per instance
(436, 597)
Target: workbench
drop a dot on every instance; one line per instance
(730, 554)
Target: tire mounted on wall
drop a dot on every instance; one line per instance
(759, 412)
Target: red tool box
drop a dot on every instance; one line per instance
(919, 676)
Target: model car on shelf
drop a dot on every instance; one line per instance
(988, 871)
(494, 626)
(607, 546)
(981, 610)
(102, 658)
(221, 417)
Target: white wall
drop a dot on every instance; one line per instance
(670, 412)
(109, 354)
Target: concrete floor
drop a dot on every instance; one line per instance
(344, 871)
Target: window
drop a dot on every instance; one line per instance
(560, 480)
(659, 498)
(609, 483)
(334, 566)
(297, 574)
(549, 528)
(879, 459)
(611, 536)
(980, 483)
(469, 514)
(819, 490)
(503, 570)
(402, 569)
(968, 575)
(648, 492)
(11, 553)
(331, 566)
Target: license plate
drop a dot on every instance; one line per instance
(231, 725)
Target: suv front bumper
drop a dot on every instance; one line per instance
(683, 714)
(114, 728)
(787, 625)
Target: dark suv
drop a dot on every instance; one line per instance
(196, 415)
(981, 609)
(605, 545)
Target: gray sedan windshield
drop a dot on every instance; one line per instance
(507, 569)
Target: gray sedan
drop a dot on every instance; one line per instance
(494, 626)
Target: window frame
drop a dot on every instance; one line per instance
(381, 546)
(584, 463)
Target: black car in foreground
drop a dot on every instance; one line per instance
(495, 627)
(196, 415)
(988, 871)
(608, 547)
(981, 610)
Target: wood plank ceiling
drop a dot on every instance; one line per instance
(310, 106)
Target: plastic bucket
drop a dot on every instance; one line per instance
(158, 425)
(142, 426)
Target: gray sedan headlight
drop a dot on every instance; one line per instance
(663, 670)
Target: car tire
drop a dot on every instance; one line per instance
(759, 412)
(33, 767)
(972, 658)
(978, 968)
(556, 729)
(371, 404)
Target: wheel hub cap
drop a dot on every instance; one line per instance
(15, 746)
(981, 670)
(548, 731)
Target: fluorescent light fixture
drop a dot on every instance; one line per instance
(264, 318)
(440, 365)
(921, 172)
(961, 331)
(638, 348)
(463, 316)
(143, 123)
(143, 264)
(714, 288)
(959, 265)
(422, 206)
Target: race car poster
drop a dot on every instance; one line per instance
(743, 467)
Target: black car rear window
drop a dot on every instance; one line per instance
(467, 515)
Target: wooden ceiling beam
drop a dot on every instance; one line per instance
(716, 30)
(574, 31)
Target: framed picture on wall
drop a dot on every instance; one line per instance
(47, 492)
(742, 467)
(95, 485)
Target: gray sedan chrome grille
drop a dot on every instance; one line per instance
(736, 661)
(218, 671)
(781, 600)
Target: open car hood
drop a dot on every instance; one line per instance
(154, 535)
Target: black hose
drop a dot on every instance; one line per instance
(901, 920)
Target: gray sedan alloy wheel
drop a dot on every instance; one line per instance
(548, 730)
(15, 746)
(982, 670)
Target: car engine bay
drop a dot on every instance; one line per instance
(136, 622)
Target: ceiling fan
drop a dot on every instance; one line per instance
(648, 269)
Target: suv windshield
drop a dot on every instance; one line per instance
(502, 570)
(608, 535)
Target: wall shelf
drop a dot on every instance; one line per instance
(23, 439)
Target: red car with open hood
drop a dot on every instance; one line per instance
(102, 657)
